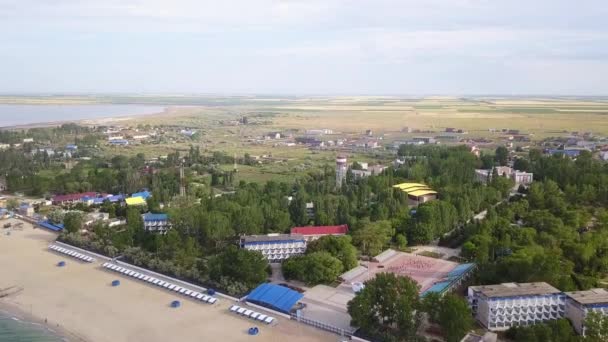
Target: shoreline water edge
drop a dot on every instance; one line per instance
(36, 324)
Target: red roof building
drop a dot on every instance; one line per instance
(72, 198)
(314, 232)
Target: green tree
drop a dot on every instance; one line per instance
(72, 221)
(387, 304)
(56, 216)
(455, 317)
(240, 265)
(431, 304)
(372, 237)
(338, 246)
(501, 155)
(596, 327)
(314, 268)
(401, 241)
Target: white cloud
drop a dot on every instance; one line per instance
(323, 43)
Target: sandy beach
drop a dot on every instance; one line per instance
(78, 301)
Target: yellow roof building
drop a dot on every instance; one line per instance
(415, 189)
(135, 201)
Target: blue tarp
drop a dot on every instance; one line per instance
(53, 227)
(274, 297)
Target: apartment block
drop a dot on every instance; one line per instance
(500, 307)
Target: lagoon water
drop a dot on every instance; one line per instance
(12, 115)
(12, 330)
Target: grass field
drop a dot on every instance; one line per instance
(347, 116)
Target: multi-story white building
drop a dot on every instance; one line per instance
(580, 303)
(275, 247)
(500, 307)
(159, 223)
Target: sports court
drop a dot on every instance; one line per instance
(426, 271)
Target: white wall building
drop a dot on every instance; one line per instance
(158, 223)
(500, 307)
(275, 247)
(580, 303)
(519, 177)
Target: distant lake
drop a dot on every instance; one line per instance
(12, 115)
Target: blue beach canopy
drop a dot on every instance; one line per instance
(115, 282)
(176, 304)
(275, 297)
(61, 263)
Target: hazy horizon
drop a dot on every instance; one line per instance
(305, 48)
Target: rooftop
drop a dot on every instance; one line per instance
(320, 230)
(593, 296)
(515, 289)
(271, 238)
(155, 217)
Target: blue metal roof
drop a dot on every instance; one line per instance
(155, 217)
(274, 297)
(460, 270)
(451, 278)
(437, 287)
(143, 194)
(53, 227)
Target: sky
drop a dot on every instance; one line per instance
(324, 47)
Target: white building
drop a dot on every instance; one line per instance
(275, 247)
(367, 171)
(158, 223)
(580, 303)
(519, 177)
(319, 131)
(500, 307)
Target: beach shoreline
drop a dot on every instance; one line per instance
(80, 304)
(14, 311)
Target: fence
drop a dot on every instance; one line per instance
(323, 326)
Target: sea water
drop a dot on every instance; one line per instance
(13, 115)
(16, 330)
